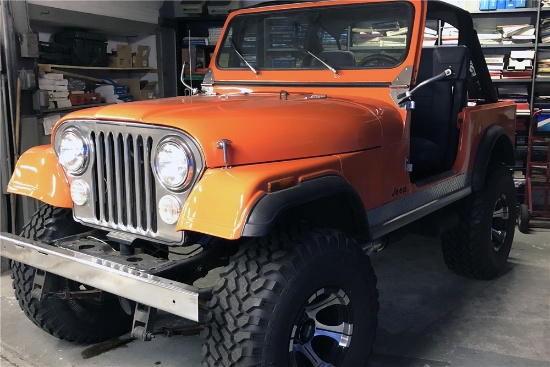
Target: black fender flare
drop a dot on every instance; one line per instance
(265, 212)
(495, 143)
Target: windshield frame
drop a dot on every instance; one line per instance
(265, 15)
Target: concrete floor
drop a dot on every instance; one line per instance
(429, 317)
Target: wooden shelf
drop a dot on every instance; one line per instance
(48, 68)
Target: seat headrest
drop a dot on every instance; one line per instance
(457, 58)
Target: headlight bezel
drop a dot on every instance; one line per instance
(189, 158)
(88, 150)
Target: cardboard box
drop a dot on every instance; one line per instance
(192, 7)
(520, 64)
(112, 61)
(132, 84)
(222, 7)
(198, 57)
(201, 59)
(139, 89)
(189, 54)
(29, 45)
(65, 103)
(141, 57)
(123, 56)
(148, 91)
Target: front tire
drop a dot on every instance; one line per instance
(74, 320)
(299, 298)
(479, 246)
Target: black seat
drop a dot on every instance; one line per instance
(434, 132)
(336, 58)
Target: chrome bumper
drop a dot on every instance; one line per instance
(164, 294)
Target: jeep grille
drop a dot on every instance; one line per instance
(124, 181)
(124, 189)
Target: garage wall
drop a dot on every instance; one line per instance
(147, 11)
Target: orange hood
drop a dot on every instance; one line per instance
(261, 127)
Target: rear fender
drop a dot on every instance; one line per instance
(223, 199)
(495, 145)
(39, 175)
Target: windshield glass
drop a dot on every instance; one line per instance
(333, 38)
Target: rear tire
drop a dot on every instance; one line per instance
(479, 246)
(74, 320)
(524, 219)
(298, 298)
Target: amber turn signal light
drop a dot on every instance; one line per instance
(283, 183)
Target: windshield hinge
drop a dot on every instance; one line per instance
(401, 84)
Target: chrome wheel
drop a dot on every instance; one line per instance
(322, 333)
(501, 213)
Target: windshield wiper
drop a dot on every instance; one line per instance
(242, 57)
(303, 50)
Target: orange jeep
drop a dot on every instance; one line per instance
(322, 130)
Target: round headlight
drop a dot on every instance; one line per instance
(72, 151)
(173, 164)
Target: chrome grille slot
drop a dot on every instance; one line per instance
(124, 183)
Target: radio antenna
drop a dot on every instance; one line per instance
(190, 63)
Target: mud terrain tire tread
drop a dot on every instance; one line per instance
(65, 319)
(261, 274)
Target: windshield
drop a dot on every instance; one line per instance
(332, 38)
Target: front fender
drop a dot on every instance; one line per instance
(221, 201)
(39, 175)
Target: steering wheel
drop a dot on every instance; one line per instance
(379, 60)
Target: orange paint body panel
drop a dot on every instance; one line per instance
(39, 175)
(475, 121)
(220, 202)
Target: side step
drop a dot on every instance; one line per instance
(164, 294)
